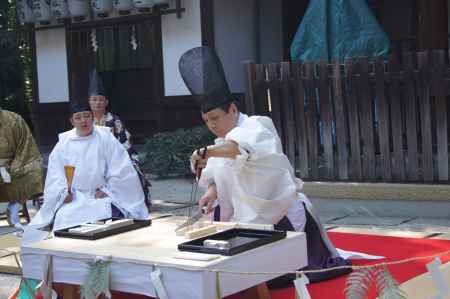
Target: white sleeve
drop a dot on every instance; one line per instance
(55, 190)
(256, 137)
(122, 180)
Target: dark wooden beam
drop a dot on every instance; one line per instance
(156, 13)
(35, 80)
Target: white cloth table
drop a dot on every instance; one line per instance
(137, 253)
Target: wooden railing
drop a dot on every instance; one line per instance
(385, 120)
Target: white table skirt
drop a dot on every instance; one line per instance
(137, 253)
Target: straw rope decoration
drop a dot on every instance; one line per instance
(384, 281)
(96, 281)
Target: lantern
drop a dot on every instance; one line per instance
(123, 6)
(60, 9)
(159, 2)
(143, 5)
(25, 11)
(78, 9)
(42, 12)
(102, 7)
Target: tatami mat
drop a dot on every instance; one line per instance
(9, 247)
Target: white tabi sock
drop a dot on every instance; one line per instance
(13, 211)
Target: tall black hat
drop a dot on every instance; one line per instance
(79, 106)
(203, 74)
(78, 100)
(95, 84)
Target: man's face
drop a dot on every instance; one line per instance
(98, 103)
(220, 122)
(83, 122)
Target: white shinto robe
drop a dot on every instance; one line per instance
(259, 186)
(101, 162)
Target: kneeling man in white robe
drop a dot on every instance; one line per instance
(105, 183)
(245, 171)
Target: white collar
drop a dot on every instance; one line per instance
(241, 119)
(74, 136)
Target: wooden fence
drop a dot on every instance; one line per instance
(385, 120)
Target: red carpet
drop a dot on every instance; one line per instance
(392, 248)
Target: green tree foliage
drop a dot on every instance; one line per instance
(15, 62)
(167, 154)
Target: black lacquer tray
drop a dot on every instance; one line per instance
(240, 240)
(137, 223)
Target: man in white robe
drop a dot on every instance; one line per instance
(245, 171)
(257, 185)
(104, 184)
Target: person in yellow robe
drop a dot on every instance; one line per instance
(20, 164)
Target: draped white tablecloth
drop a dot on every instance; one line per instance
(137, 253)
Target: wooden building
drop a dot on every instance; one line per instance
(143, 84)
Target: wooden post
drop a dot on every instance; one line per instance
(440, 89)
(341, 122)
(299, 108)
(326, 113)
(425, 116)
(288, 112)
(410, 101)
(366, 120)
(398, 164)
(383, 121)
(312, 121)
(353, 120)
(250, 94)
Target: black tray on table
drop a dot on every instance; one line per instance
(103, 233)
(240, 240)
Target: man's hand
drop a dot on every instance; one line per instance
(198, 161)
(100, 194)
(228, 149)
(208, 199)
(69, 197)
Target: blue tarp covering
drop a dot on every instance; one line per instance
(337, 30)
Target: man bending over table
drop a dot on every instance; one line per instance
(245, 171)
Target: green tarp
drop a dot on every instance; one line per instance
(338, 30)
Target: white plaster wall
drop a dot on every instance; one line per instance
(178, 36)
(51, 58)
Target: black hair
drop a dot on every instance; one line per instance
(226, 106)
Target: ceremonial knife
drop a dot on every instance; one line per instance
(196, 217)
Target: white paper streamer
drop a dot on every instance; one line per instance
(94, 40)
(300, 287)
(158, 284)
(438, 279)
(45, 287)
(354, 255)
(133, 40)
(5, 175)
